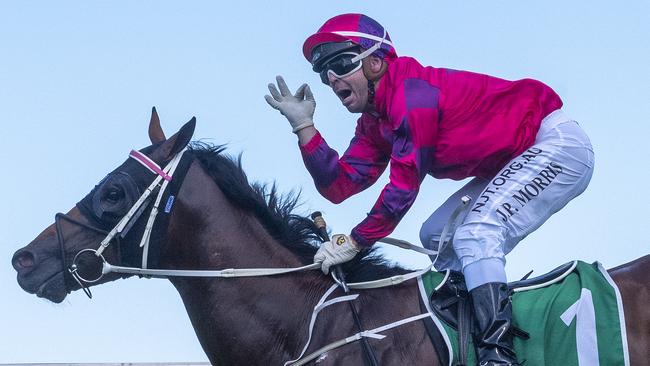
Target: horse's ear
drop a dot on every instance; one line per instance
(178, 141)
(156, 133)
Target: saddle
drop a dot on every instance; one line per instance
(451, 303)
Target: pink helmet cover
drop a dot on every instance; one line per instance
(357, 28)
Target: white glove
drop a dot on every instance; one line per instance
(298, 108)
(340, 249)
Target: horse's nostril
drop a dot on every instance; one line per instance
(23, 260)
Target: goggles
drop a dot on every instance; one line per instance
(345, 63)
(340, 66)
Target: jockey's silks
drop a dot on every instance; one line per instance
(441, 122)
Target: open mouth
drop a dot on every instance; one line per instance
(344, 94)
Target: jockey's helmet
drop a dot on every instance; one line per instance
(344, 33)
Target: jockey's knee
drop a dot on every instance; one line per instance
(429, 236)
(431, 229)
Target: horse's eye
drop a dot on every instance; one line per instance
(113, 195)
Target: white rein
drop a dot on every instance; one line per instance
(166, 175)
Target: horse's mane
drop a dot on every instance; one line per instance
(275, 212)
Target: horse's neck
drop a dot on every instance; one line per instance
(253, 320)
(239, 321)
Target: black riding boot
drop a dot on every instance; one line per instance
(493, 338)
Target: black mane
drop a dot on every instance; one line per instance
(275, 212)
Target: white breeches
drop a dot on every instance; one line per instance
(518, 199)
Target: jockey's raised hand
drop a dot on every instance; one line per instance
(298, 108)
(340, 249)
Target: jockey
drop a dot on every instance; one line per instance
(526, 157)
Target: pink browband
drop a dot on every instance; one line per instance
(149, 164)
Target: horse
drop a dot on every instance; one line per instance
(214, 218)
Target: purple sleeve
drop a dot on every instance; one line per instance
(414, 133)
(339, 178)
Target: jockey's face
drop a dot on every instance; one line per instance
(352, 90)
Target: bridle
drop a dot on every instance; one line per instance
(161, 182)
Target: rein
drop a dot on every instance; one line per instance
(163, 177)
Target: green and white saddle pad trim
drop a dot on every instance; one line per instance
(576, 319)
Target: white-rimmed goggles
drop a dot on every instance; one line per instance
(346, 63)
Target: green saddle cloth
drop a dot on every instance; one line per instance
(576, 319)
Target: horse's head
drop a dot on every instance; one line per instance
(67, 254)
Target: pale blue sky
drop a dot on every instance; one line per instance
(78, 79)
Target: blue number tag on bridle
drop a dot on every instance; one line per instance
(170, 202)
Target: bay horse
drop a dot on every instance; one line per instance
(217, 219)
